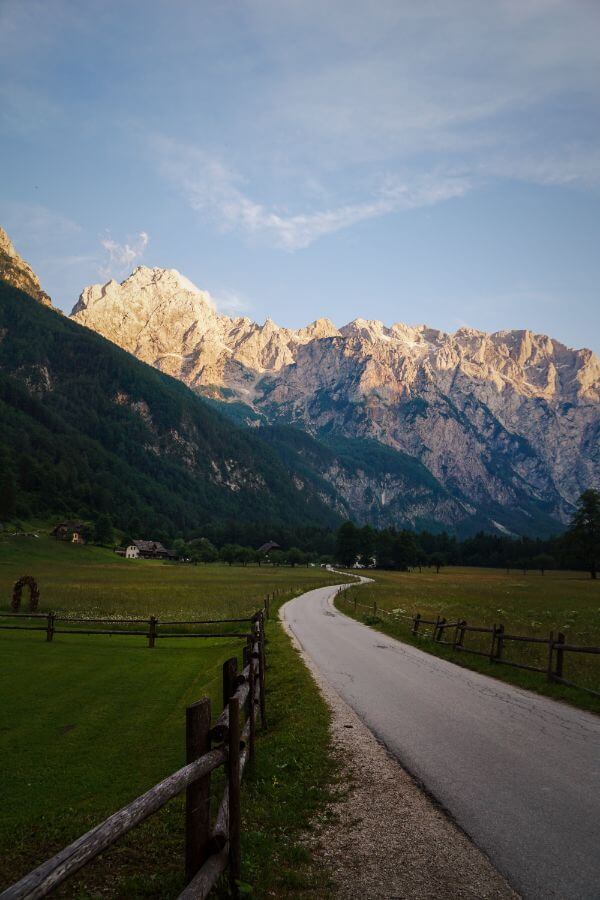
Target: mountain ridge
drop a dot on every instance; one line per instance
(15, 271)
(87, 428)
(503, 419)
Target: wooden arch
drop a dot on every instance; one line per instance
(34, 593)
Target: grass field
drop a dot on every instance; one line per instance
(87, 723)
(529, 604)
(93, 581)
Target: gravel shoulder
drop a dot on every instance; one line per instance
(384, 837)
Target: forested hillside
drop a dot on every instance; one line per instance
(87, 429)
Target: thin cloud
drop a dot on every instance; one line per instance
(211, 188)
(232, 303)
(37, 223)
(119, 258)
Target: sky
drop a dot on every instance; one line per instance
(434, 162)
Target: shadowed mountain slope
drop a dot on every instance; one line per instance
(87, 428)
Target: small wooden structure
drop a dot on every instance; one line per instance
(34, 593)
(75, 532)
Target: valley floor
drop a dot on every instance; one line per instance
(89, 722)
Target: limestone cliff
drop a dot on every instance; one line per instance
(509, 420)
(17, 272)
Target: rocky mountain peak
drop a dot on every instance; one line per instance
(17, 272)
(320, 328)
(495, 418)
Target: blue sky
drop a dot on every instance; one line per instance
(431, 162)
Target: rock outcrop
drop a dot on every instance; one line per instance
(504, 421)
(17, 272)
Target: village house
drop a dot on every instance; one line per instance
(148, 550)
(265, 549)
(75, 532)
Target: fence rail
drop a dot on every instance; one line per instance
(152, 633)
(210, 847)
(153, 623)
(556, 644)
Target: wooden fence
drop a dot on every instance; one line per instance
(211, 845)
(555, 643)
(50, 624)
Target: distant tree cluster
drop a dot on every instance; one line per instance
(577, 548)
(201, 550)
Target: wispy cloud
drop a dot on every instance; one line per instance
(119, 258)
(445, 97)
(36, 223)
(429, 77)
(231, 302)
(213, 189)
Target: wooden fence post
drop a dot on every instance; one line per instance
(50, 626)
(197, 797)
(493, 646)
(261, 673)
(440, 629)
(416, 623)
(499, 643)
(456, 633)
(559, 654)
(233, 766)
(264, 641)
(435, 627)
(247, 661)
(550, 655)
(374, 607)
(461, 640)
(229, 674)
(251, 705)
(152, 631)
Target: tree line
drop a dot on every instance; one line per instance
(577, 548)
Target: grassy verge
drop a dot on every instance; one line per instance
(291, 781)
(88, 723)
(529, 605)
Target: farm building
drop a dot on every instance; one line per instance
(149, 550)
(266, 548)
(75, 532)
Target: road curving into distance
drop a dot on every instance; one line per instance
(520, 773)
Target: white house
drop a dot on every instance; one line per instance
(132, 552)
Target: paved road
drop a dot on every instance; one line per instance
(518, 772)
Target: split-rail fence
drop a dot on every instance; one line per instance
(51, 624)
(210, 846)
(453, 634)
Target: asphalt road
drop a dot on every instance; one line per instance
(518, 772)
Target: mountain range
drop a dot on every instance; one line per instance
(88, 429)
(401, 425)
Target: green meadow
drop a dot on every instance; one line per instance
(87, 723)
(530, 604)
(92, 581)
